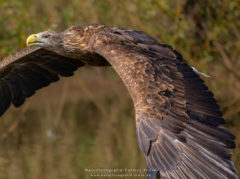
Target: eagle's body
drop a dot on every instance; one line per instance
(177, 118)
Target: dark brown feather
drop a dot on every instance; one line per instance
(5, 96)
(28, 70)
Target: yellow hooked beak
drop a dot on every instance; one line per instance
(33, 39)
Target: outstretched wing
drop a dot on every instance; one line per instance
(28, 70)
(177, 118)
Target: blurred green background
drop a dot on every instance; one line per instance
(87, 121)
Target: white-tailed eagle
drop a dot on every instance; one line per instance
(177, 117)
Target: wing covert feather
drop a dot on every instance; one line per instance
(177, 118)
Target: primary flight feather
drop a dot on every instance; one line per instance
(177, 117)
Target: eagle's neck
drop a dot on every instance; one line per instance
(75, 45)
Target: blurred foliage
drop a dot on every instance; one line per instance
(71, 126)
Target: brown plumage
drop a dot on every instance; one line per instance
(177, 118)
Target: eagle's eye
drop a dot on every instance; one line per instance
(46, 36)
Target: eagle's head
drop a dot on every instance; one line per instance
(48, 39)
(67, 43)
